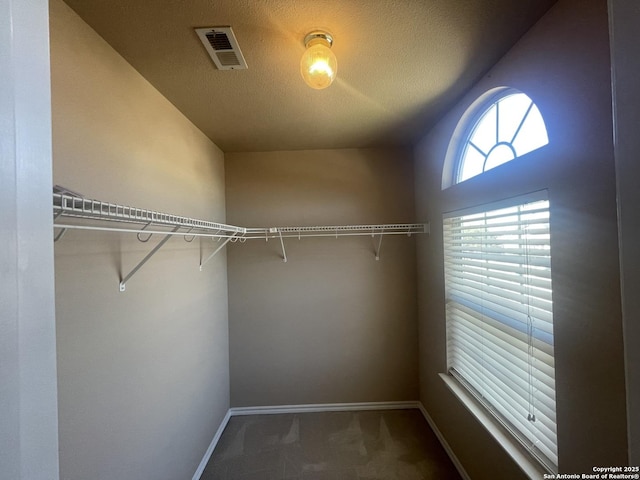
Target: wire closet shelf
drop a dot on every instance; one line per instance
(71, 206)
(74, 211)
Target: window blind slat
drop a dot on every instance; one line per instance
(520, 298)
(501, 310)
(529, 208)
(535, 289)
(513, 352)
(480, 228)
(516, 414)
(510, 345)
(489, 385)
(540, 241)
(515, 217)
(507, 277)
(463, 314)
(514, 366)
(497, 258)
(455, 264)
(533, 435)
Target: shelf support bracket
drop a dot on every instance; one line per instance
(59, 235)
(379, 246)
(220, 247)
(145, 259)
(284, 252)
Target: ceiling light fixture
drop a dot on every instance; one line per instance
(318, 65)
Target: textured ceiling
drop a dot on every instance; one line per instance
(401, 63)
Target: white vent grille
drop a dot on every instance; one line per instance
(223, 48)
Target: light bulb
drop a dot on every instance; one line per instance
(318, 65)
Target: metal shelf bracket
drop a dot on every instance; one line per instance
(60, 234)
(145, 260)
(380, 245)
(284, 253)
(220, 247)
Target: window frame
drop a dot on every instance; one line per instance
(466, 384)
(483, 193)
(467, 126)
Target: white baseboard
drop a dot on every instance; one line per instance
(456, 463)
(212, 446)
(323, 407)
(327, 407)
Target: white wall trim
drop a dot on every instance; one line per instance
(328, 407)
(212, 446)
(28, 379)
(322, 407)
(447, 448)
(520, 455)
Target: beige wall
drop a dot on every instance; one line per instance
(563, 65)
(624, 22)
(143, 375)
(332, 324)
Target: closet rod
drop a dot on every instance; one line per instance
(185, 233)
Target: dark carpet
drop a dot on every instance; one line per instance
(363, 445)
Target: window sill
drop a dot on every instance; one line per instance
(512, 447)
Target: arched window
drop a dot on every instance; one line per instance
(497, 282)
(497, 128)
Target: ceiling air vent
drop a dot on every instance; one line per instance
(222, 46)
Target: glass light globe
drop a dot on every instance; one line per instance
(318, 65)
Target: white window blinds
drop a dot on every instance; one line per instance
(500, 319)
